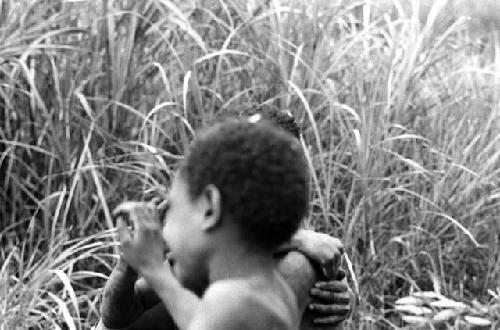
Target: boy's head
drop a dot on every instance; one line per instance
(242, 182)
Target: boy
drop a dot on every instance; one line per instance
(122, 307)
(240, 194)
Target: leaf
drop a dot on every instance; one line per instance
(410, 300)
(412, 309)
(64, 309)
(445, 315)
(410, 319)
(448, 303)
(67, 285)
(427, 295)
(477, 321)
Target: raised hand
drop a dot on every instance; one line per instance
(321, 248)
(142, 245)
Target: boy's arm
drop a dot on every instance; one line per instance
(157, 317)
(321, 248)
(331, 301)
(143, 249)
(120, 305)
(301, 276)
(179, 301)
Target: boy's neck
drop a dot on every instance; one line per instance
(238, 260)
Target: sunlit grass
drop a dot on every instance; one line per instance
(398, 103)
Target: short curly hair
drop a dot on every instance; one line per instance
(261, 173)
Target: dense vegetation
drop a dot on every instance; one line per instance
(399, 107)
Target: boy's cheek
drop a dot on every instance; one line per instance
(168, 233)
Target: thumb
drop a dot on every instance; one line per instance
(124, 234)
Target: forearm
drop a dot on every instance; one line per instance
(120, 305)
(294, 244)
(302, 241)
(180, 302)
(301, 275)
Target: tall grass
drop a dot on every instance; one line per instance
(398, 102)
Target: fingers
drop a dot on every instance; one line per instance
(338, 243)
(155, 201)
(147, 217)
(334, 243)
(329, 320)
(159, 203)
(331, 315)
(341, 248)
(142, 215)
(341, 311)
(329, 297)
(335, 286)
(123, 212)
(332, 261)
(124, 234)
(163, 204)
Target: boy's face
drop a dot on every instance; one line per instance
(184, 236)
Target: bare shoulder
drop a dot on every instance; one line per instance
(230, 295)
(294, 262)
(300, 274)
(235, 304)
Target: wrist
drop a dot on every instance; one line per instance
(158, 276)
(297, 242)
(124, 268)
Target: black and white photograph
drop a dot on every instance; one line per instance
(250, 164)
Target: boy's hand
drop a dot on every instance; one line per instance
(321, 248)
(332, 301)
(142, 246)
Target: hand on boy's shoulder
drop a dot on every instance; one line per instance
(234, 304)
(318, 258)
(323, 249)
(324, 304)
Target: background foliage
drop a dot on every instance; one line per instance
(398, 102)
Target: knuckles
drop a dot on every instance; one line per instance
(338, 310)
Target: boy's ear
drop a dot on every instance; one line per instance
(212, 208)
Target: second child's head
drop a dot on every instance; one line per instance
(241, 183)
